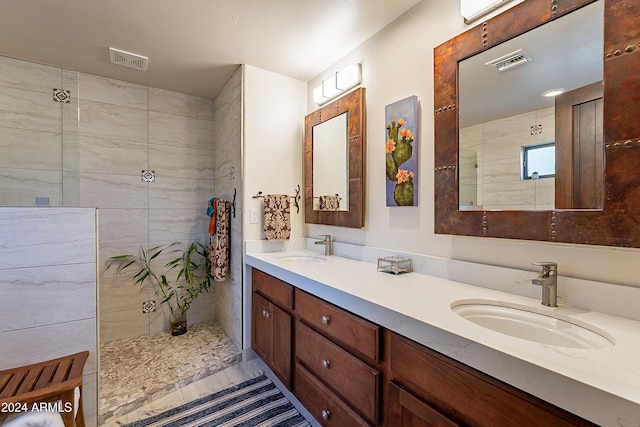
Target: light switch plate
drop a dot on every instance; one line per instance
(253, 216)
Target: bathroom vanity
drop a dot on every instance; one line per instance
(369, 348)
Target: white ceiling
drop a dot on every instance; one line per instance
(194, 46)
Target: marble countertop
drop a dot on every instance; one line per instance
(418, 306)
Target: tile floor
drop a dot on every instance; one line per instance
(158, 368)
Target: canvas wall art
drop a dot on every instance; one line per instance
(401, 156)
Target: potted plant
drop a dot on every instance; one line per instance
(192, 278)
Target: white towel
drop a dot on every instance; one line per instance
(34, 419)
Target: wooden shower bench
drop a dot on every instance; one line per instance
(50, 381)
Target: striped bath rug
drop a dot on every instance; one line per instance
(256, 402)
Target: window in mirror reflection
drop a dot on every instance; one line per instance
(331, 165)
(500, 112)
(539, 161)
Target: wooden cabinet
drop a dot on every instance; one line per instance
(429, 386)
(272, 323)
(335, 363)
(335, 354)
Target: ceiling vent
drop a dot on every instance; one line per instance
(509, 61)
(128, 59)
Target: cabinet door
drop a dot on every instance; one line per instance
(408, 410)
(281, 325)
(261, 328)
(468, 395)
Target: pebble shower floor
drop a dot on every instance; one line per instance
(136, 371)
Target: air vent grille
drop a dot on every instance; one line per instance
(128, 59)
(509, 61)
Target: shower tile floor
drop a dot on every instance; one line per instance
(137, 371)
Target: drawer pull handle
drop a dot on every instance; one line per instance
(325, 320)
(266, 314)
(326, 363)
(325, 414)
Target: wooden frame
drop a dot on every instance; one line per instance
(618, 223)
(354, 104)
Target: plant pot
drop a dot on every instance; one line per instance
(178, 323)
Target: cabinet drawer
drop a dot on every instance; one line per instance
(275, 290)
(325, 406)
(349, 377)
(350, 331)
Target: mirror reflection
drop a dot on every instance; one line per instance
(331, 165)
(520, 149)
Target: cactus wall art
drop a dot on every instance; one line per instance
(401, 149)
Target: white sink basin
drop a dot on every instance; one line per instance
(532, 324)
(303, 258)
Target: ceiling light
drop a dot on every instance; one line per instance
(338, 83)
(553, 92)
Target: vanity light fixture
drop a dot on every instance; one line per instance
(337, 84)
(553, 92)
(473, 9)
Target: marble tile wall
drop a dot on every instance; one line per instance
(125, 128)
(48, 290)
(498, 144)
(228, 177)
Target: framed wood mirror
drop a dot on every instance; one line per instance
(347, 166)
(617, 221)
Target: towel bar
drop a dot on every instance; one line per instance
(295, 198)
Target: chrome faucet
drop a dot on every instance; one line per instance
(327, 242)
(548, 279)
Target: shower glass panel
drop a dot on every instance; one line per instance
(38, 134)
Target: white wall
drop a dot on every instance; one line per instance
(397, 63)
(274, 110)
(48, 290)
